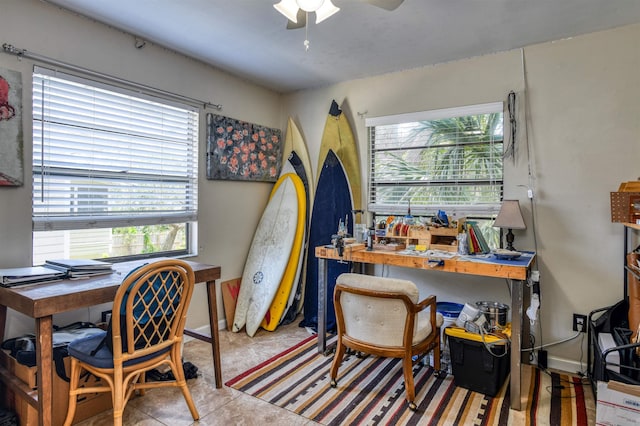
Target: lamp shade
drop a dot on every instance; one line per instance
(288, 8)
(310, 5)
(325, 11)
(510, 216)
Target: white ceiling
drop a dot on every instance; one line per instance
(248, 38)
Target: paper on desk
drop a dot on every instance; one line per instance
(432, 254)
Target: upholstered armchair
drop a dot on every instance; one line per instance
(382, 317)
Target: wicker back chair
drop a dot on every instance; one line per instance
(147, 325)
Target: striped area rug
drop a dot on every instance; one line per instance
(371, 392)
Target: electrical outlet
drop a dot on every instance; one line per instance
(580, 323)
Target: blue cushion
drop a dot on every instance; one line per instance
(103, 358)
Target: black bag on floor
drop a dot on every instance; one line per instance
(8, 418)
(23, 348)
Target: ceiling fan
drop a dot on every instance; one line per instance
(296, 11)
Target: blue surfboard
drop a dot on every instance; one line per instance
(332, 202)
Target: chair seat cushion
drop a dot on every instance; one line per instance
(423, 327)
(103, 358)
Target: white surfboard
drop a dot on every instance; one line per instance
(268, 256)
(286, 294)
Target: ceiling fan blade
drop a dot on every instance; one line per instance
(385, 4)
(302, 21)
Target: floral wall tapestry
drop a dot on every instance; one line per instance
(237, 150)
(11, 172)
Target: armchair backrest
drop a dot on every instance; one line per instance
(376, 310)
(152, 303)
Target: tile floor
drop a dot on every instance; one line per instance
(225, 406)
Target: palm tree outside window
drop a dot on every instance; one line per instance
(450, 160)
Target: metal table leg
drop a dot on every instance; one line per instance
(322, 303)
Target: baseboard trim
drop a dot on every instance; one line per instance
(205, 329)
(568, 365)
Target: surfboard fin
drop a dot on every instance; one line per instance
(335, 109)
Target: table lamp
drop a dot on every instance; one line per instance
(510, 217)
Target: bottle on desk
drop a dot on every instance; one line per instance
(370, 235)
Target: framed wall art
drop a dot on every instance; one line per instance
(11, 138)
(237, 150)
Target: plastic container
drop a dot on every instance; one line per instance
(450, 312)
(468, 313)
(473, 366)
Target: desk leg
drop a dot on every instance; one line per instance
(517, 318)
(322, 304)
(44, 360)
(3, 321)
(215, 339)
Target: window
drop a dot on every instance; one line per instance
(114, 171)
(450, 160)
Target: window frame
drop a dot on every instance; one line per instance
(164, 175)
(429, 210)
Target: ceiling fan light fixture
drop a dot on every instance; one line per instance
(310, 5)
(288, 8)
(325, 11)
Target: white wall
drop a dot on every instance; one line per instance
(580, 142)
(583, 101)
(229, 211)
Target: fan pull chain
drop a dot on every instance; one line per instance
(306, 33)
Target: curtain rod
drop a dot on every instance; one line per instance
(23, 53)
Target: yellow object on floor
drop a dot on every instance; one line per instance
(488, 337)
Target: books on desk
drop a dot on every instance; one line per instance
(33, 274)
(53, 270)
(79, 268)
(475, 239)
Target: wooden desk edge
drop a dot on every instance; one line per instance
(486, 269)
(37, 303)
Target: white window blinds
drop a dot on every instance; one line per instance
(105, 157)
(448, 159)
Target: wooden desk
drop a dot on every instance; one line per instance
(516, 273)
(42, 301)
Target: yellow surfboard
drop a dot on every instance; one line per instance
(281, 298)
(338, 136)
(293, 141)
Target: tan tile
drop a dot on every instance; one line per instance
(248, 411)
(130, 417)
(225, 406)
